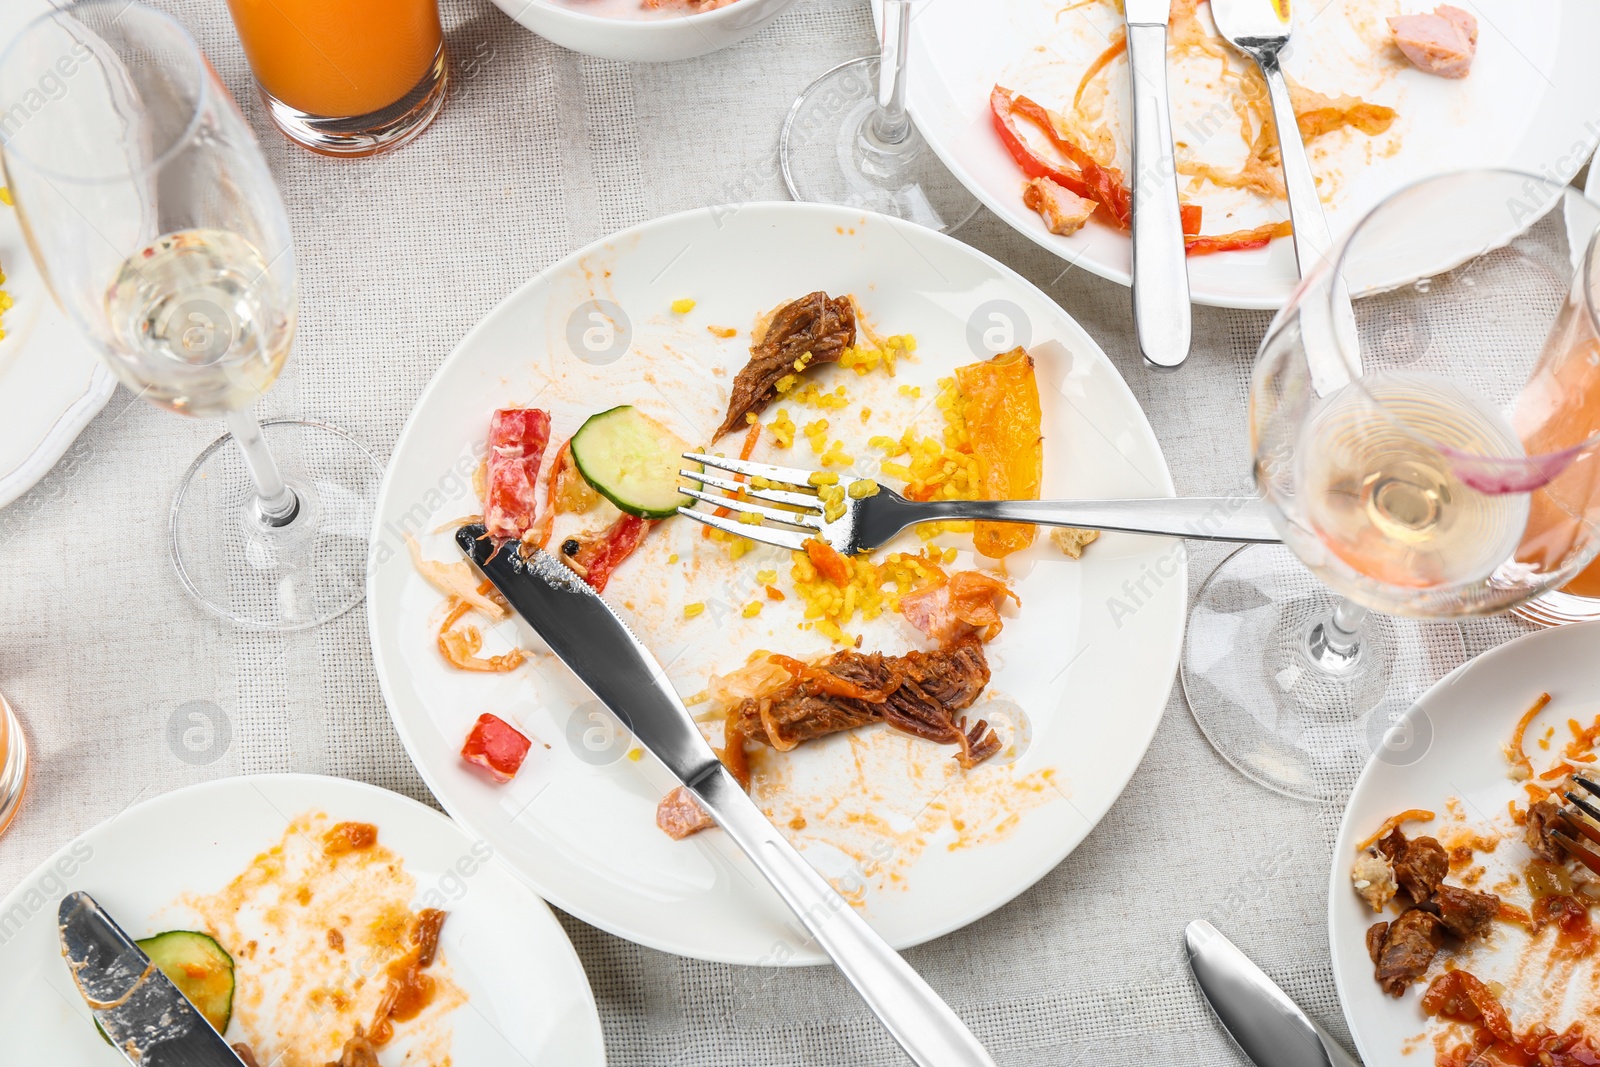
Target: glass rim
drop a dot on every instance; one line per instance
(202, 72)
(1540, 468)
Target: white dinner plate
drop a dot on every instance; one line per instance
(1527, 104)
(51, 381)
(1449, 744)
(1079, 682)
(527, 1000)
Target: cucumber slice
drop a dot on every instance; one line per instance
(633, 461)
(200, 968)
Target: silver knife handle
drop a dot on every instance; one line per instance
(1161, 315)
(914, 1014)
(1244, 519)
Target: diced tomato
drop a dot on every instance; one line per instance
(517, 439)
(602, 555)
(497, 747)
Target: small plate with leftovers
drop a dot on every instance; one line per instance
(314, 922)
(1461, 900)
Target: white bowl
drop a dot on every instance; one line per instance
(644, 40)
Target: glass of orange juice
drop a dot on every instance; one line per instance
(13, 764)
(346, 77)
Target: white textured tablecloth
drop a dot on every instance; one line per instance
(538, 152)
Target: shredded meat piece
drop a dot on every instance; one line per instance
(242, 1050)
(1373, 879)
(1466, 913)
(1409, 945)
(1064, 212)
(358, 1052)
(918, 693)
(1542, 818)
(1442, 42)
(816, 324)
(1419, 865)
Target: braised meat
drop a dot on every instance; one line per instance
(1466, 913)
(1419, 865)
(247, 1057)
(679, 815)
(1409, 945)
(1542, 818)
(919, 692)
(1377, 933)
(816, 326)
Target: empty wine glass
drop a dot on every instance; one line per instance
(155, 221)
(1445, 468)
(848, 140)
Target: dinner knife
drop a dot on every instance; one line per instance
(583, 631)
(1268, 1027)
(1160, 269)
(138, 1007)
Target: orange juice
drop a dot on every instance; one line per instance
(338, 58)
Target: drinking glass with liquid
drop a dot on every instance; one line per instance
(13, 764)
(149, 207)
(346, 77)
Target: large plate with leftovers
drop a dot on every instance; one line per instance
(934, 724)
(1465, 876)
(1027, 102)
(314, 922)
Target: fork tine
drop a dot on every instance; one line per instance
(792, 475)
(1583, 781)
(794, 518)
(1583, 826)
(793, 540)
(1579, 853)
(1584, 805)
(777, 496)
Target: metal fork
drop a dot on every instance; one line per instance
(1587, 830)
(789, 513)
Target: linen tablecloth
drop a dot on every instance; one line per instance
(540, 151)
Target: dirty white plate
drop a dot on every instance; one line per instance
(527, 998)
(1449, 744)
(51, 381)
(1081, 673)
(1527, 104)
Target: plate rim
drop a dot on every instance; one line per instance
(335, 782)
(62, 433)
(832, 214)
(1338, 874)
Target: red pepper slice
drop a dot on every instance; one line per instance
(1092, 181)
(497, 747)
(517, 439)
(602, 555)
(1238, 241)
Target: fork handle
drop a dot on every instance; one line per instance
(923, 1024)
(1217, 518)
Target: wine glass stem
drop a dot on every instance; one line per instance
(890, 124)
(1334, 642)
(275, 503)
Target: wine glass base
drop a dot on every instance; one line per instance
(1557, 608)
(1276, 712)
(290, 577)
(829, 155)
(13, 765)
(366, 135)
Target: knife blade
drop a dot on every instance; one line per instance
(1161, 314)
(138, 1007)
(586, 635)
(1267, 1026)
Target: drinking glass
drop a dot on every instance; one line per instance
(848, 140)
(1441, 466)
(155, 222)
(13, 764)
(346, 77)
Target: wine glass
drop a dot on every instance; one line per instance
(848, 140)
(155, 222)
(1444, 467)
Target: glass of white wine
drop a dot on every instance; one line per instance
(1439, 463)
(154, 219)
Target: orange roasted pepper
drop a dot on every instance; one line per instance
(1002, 416)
